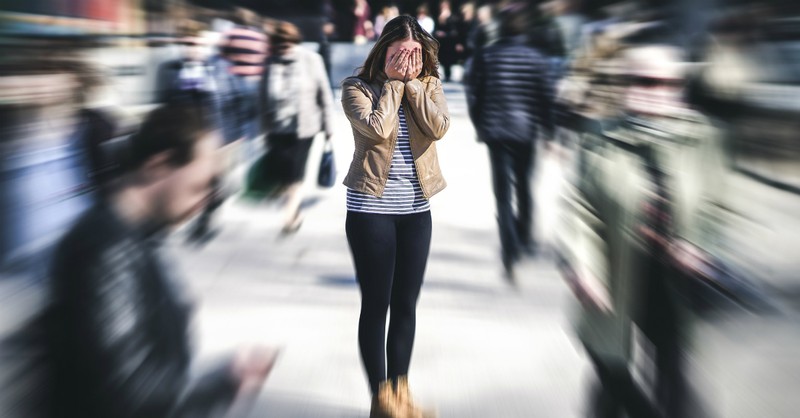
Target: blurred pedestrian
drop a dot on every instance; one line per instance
(486, 31)
(686, 165)
(363, 29)
(189, 78)
(424, 19)
(296, 104)
(509, 101)
(569, 20)
(387, 13)
(397, 110)
(96, 127)
(117, 328)
(646, 207)
(236, 70)
(243, 51)
(464, 27)
(447, 35)
(50, 154)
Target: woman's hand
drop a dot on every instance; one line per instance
(397, 65)
(414, 65)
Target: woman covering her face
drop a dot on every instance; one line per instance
(397, 110)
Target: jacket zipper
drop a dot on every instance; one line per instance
(416, 166)
(391, 155)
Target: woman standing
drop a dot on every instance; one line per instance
(397, 110)
(296, 104)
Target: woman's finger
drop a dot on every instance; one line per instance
(397, 59)
(400, 57)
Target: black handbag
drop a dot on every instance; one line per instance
(326, 177)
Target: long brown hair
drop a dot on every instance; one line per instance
(398, 29)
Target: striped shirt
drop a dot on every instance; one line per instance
(403, 193)
(247, 49)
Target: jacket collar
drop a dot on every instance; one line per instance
(287, 58)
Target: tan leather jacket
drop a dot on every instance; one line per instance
(372, 109)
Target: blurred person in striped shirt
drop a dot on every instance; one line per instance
(236, 70)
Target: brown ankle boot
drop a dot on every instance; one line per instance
(384, 403)
(405, 402)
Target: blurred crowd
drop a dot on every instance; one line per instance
(95, 186)
(675, 123)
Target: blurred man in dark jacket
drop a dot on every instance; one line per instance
(509, 103)
(117, 329)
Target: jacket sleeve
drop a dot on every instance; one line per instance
(166, 81)
(473, 86)
(545, 98)
(324, 95)
(110, 321)
(376, 123)
(262, 96)
(583, 233)
(430, 113)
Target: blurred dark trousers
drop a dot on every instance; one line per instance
(617, 393)
(661, 324)
(512, 166)
(221, 188)
(390, 253)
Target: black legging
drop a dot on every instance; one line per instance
(390, 253)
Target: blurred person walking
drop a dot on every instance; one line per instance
(397, 110)
(645, 209)
(686, 164)
(464, 27)
(387, 13)
(486, 30)
(296, 104)
(117, 325)
(363, 29)
(236, 71)
(190, 78)
(97, 125)
(509, 100)
(424, 19)
(245, 48)
(447, 35)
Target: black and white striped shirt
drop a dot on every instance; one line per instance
(403, 193)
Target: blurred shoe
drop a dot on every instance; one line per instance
(508, 270)
(291, 229)
(201, 233)
(407, 407)
(384, 403)
(294, 225)
(530, 250)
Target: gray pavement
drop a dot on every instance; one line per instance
(482, 348)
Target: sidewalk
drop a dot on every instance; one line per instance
(482, 349)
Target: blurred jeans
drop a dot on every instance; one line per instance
(512, 166)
